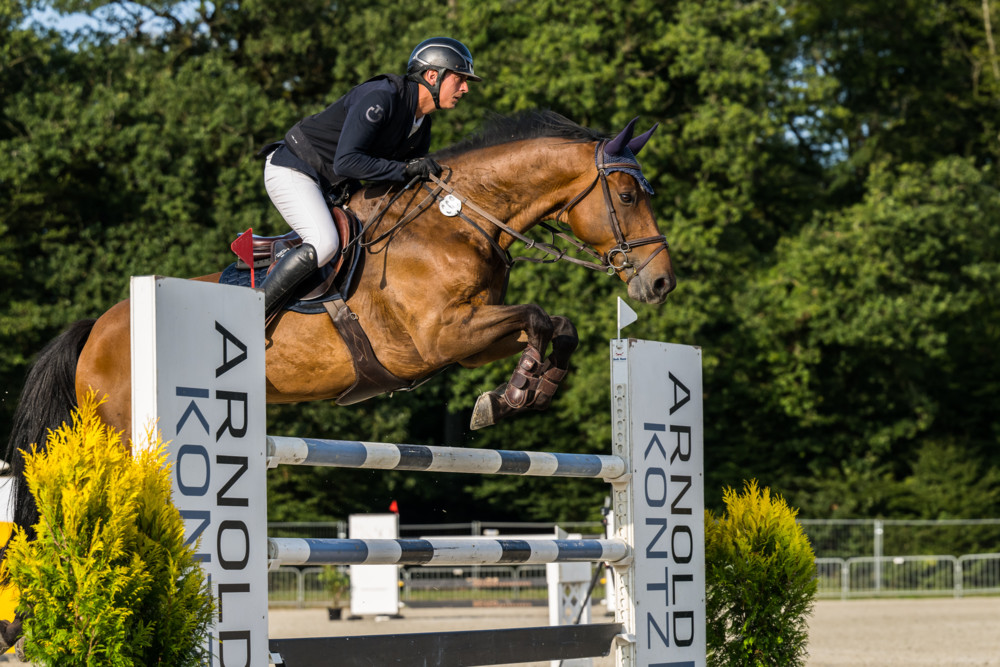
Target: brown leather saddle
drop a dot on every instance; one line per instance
(338, 280)
(268, 249)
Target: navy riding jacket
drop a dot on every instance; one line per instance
(364, 135)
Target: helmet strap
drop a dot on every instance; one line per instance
(435, 89)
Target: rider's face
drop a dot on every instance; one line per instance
(453, 86)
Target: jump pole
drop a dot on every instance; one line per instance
(198, 369)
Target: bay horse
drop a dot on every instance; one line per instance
(431, 290)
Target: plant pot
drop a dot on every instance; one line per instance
(335, 613)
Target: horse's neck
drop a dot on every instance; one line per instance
(522, 183)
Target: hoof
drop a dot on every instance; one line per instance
(485, 412)
(19, 650)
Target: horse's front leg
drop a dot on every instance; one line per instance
(476, 335)
(535, 380)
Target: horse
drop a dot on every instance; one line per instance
(431, 288)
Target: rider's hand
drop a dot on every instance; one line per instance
(422, 167)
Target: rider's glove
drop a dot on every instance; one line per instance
(422, 167)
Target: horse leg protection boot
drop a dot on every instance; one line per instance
(521, 389)
(294, 266)
(547, 385)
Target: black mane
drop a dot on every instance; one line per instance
(524, 125)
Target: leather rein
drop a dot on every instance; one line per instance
(615, 260)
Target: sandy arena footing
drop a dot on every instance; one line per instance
(923, 632)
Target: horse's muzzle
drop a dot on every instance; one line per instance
(652, 289)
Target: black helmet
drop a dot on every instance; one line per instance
(441, 53)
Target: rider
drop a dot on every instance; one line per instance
(379, 130)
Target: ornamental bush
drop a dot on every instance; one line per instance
(108, 580)
(760, 581)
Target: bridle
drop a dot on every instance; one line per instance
(624, 246)
(613, 261)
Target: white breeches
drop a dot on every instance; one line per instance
(300, 202)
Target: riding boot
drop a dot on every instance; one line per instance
(294, 266)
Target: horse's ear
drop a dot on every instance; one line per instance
(618, 144)
(635, 145)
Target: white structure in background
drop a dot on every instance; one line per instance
(568, 584)
(374, 588)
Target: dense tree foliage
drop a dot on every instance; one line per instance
(826, 174)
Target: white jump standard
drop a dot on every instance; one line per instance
(198, 374)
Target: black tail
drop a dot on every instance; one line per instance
(47, 401)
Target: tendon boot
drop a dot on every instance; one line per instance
(520, 390)
(294, 266)
(547, 385)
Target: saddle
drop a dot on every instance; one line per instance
(267, 250)
(337, 280)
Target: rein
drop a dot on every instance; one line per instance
(604, 261)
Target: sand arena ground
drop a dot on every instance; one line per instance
(937, 632)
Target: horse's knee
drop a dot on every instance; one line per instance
(564, 335)
(539, 328)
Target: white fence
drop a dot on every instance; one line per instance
(524, 585)
(895, 576)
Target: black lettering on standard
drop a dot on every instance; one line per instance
(230, 588)
(682, 578)
(674, 509)
(227, 363)
(228, 638)
(229, 397)
(220, 497)
(652, 625)
(662, 523)
(205, 517)
(191, 489)
(689, 617)
(679, 403)
(228, 563)
(683, 454)
(686, 530)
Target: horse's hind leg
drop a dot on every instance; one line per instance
(534, 381)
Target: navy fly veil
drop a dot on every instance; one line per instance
(626, 156)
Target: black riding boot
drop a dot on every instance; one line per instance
(294, 266)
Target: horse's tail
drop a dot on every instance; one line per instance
(47, 401)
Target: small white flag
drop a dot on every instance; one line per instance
(626, 316)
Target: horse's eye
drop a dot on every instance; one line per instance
(626, 197)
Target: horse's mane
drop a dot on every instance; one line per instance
(524, 125)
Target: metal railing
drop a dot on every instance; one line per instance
(900, 576)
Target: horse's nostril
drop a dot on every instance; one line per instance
(663, 286)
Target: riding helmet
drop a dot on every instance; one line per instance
(441, 53)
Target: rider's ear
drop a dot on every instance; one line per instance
(431, 76)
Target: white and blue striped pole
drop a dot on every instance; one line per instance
(440, 551)
(283, 450)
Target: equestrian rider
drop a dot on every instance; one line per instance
(378, 131)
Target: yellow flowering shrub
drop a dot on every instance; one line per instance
(760, 574)
(108, 580)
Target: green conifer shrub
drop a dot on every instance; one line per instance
(108, 580)
(760, 581)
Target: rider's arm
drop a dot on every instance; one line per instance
(367, 118)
